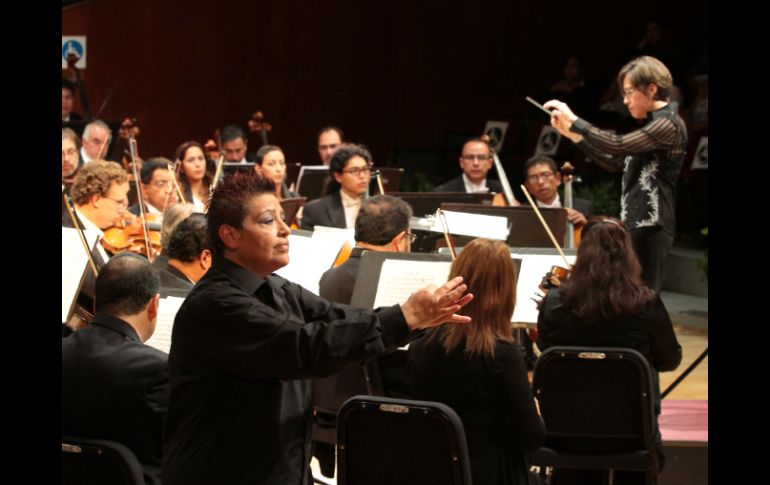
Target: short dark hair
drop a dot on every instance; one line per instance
(189, 238)
(381, 218)
(150, 166)
(264, 150)
(231, 132)
(540, 160)
(229, 200)
(332, 128)
(68, 85)
(125, 285)
(340, 159)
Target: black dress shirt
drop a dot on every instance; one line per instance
(242, 350)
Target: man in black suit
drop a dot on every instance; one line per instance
(382, 225)
(68, 101)
(113, 386)
(542, 182)
(188, 256)
(235, 145)
(475, 161)
(157, 187)
(349, 168)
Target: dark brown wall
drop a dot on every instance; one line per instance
(392, 73)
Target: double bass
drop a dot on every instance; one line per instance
(257, 124)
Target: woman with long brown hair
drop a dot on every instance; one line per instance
(195, 174)
(605, 303)
(478, 371)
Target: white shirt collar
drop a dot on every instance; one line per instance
(555, 204)
(351, 205)
(470, 187)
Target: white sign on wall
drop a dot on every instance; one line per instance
(75, 44)
(496, 132)
(700, 161)
(548, 141)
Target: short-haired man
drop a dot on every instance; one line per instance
(70, 158)
(157, 187)
(350, 171)
(475, 162)
(68, 101)
(330, 138)
(96, 137)
(382, 225)
(188, 256)
(113, 386)
(235, 145)
(246, 341)
(542, 179)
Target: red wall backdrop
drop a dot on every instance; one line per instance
(391, 73)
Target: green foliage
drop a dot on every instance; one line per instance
(605, 196)
(417, 182)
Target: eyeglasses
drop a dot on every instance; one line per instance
(628, 92)
(412, 237)
(161, 184)
(120, 202)
(70, 152)
(358, 171)
(480, 158)
(533, 179)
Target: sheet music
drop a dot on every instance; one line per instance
(475, 225)
(533, 268)
(399, 279)
(74, 263)
(167, 309)
(310, 257)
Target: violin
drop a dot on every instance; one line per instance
(131, 237)
(551, 280)
(258, 124)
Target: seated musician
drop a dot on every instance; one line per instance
(113, 386)
(271, 163)
(68, 101)
(196, 174)
(70, 158)
(476, 161)
(330, 138)
(246, 341)
(542, 181)
(157, 185)
(350, 171)
(96, 137)
(235, 145)
(188, 256)
(478, 371)
(583, 312)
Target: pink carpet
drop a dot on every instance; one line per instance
(684, 421)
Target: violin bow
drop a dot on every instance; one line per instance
(545, 226)
(174, 168)
(444, 224)
(135, 170)
(79, 229)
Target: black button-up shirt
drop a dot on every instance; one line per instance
(242, 350)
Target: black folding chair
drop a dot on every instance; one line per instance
(597, 404)
(87, 461)
(385, 441)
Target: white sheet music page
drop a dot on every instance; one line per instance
(475, 225)
(310, 257)
(399, 279)
(533, 268)
(167, 309)
(74, 263)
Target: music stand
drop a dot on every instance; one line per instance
(230, 168)
(526, 230)
(291, 208)
(292, 171)
(426, 203)
(311, 181)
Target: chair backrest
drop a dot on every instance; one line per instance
(385, 441)
(595, 399)
(330, 393)
(87, 461)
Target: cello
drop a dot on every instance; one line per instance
(73, 59)
(258, 124)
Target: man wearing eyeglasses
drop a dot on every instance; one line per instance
(157, 187)
(475, 161)
(542, 181)
(350, 171)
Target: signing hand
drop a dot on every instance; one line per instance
(429, 306)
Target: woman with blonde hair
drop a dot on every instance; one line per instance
(478, 371)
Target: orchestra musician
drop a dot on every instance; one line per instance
(330, 138)
(235, 145)
(70, 157)
(582, 312)
(196, 174)
(188, 256)
(246, 341)
(351, 173)
(157, 187)
(650, 157)
(542, 179)
(96, 136)
(68, 101)
(475, 162)
(114, 387)
(271, 163)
